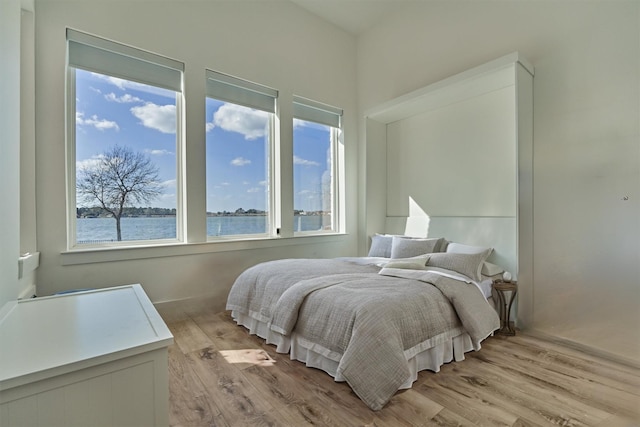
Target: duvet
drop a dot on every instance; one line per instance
(367, 319)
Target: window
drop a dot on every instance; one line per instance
(125, 153)
(124, 108)
(316, 130)
(239, 145)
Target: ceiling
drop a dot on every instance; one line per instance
(353, 16)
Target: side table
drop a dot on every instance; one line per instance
(502, 288)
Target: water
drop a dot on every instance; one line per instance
(100, 230)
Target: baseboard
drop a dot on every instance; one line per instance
(28, 292)
(192, 306)
(593, 351)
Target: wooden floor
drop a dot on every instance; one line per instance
(221, 376)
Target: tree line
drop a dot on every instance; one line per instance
(133, 212)
(128, 212)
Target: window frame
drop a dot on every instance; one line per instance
(234, 90)
(316, 112)
(76, 253)
(131, 56)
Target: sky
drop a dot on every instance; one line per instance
(111, 111)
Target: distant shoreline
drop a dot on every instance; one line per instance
(209, 214)
(102, 229)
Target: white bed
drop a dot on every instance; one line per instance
(270, 283)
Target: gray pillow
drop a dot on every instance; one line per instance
(407, 247)
(406, 265)
(468, 264)
(381, 245)
(413, 263)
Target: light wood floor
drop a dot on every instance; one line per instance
(221, 376)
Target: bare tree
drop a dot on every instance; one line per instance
(120, 177)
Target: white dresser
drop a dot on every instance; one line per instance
(94, 358)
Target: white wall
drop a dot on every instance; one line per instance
(273, 43)
(9, 149)
(586, 141)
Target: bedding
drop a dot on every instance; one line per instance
(469, 265)
(381, 245)
(400, 246)
(405, 247)
(365, 321)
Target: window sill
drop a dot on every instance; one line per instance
(110, 254)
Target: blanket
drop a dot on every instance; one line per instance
(370, 324)
(258, 288)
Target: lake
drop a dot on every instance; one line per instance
(101, 230)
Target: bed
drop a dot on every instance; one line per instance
(373, 321)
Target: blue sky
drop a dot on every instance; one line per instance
(112, 111)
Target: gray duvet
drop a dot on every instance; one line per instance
(370, 321)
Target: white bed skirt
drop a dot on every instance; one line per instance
(300, 349)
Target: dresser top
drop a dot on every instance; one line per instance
(49, 336)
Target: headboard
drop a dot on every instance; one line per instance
(458, 154)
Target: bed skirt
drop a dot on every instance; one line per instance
(432, 358)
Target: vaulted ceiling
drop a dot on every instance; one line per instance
(353, 16)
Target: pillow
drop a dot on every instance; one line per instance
(443, 245)
(405, 265)
(468, 264)
(489, 269)
(381, 245)
(459, 248)
(422, 260)
(412, 263)
(406, 247)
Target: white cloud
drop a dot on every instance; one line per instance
(240, 161)
(300, 161)
(254, 190)
(89, 164)
(170, 183)
(158, 152)
(263, 183)
(313, 125)
(235, 118)
(166, 200)
(305, 192)
(124, 99)
(159, 117)
(120, 83)
(94, 121)
(128, 84)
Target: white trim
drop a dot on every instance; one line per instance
(243, 92)
(335, 208)
(472, 82)
(70, 124)
(151, 250)
(104, 56)
(313, 111)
